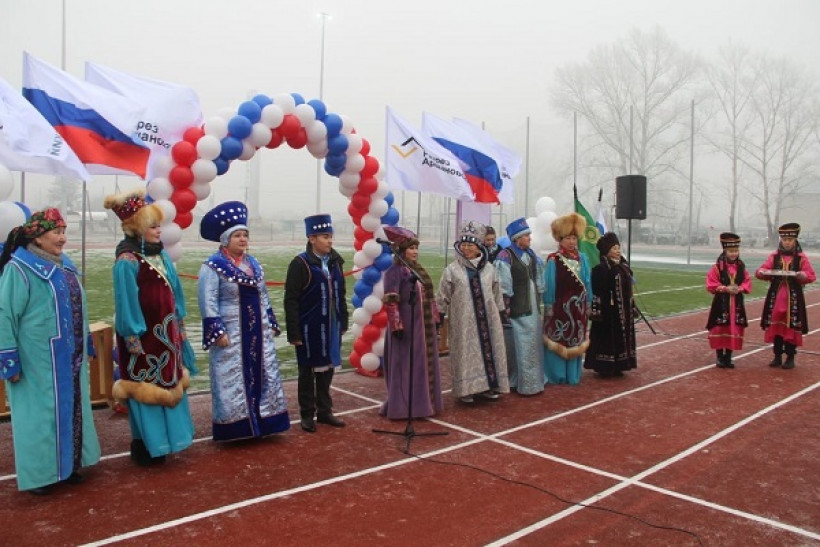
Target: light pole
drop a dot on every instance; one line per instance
(325, 16)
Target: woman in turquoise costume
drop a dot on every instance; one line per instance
(238, 326)
(43, 356)
(156, 359)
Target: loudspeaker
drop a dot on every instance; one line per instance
(630, 197)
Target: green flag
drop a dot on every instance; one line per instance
(586, 243)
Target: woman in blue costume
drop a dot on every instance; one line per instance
(43, 356)
(238, 326)
(156, 359)
(567, 302)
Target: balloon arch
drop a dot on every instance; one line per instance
(206, 152)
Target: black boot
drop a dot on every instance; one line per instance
(721, 360)
(789, 363)
(727, 359)
(139, 453)
(777, 361)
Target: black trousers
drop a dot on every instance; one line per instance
(314, 392)
(781, 347)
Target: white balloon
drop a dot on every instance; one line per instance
(204, 171)
(174, 251)
(360, 260)
(372, 249)
(380, 233)
(360, 316)
(6, 183)
(260, 134)
(370, 362)
(544, 221)
(162, 166)
(159, 188)
(285, 102)
(354, 163)
(378, 289)
(378, 208)
(544, 204)
(345, 191)
(216, 126)
(248, 150)
(373, 304)
(532, 222)
(171, 234)
(370, 222)
(305, 113)
(272, 116)
(169, 211)
(201, 189)
(382, 190)
(347, 124)
(350, 180)
(317, 149)
(11, 216)
(316, 131)
(378, 345)
(381, 172)
(355, 330)
(208, 147)
(354, 144)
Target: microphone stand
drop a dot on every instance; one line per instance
(409, 433)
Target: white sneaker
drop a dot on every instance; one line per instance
(466, 399)
(489, 395)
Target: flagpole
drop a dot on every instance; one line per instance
(691, 182)
(325, 16)
(527, 172)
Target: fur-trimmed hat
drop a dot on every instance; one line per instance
(135, 213)
(472, 232)
(729, 240)
(318, 224)
(606, 242)
(567, 225)
(220, 222)
(518, 228)
(790, 229)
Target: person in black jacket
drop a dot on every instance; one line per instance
(316, 318)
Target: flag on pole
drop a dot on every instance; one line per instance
(170, 108)
(98, 124)
(418, 163)
(508, 160)
(29, 143)
(600, 221)
(586, 243)
(482, 170)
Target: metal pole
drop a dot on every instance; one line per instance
(527, 172)
(631, 137)
(574, 149)
(22, 187)
(324, 17)
(691, 181)
(418, 216)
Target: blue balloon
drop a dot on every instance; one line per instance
(334, 123)
(363, 288)
(251, 110)
(391, 217)
(383, 261)
(240, 127)
(231, 148)
(333, 171)
(336, 160)
(148, 199)
(221, 165)
(389, 198)
(356, 301)
(372, 275)
(319, 107)
(337, 144)
(25, 209)
(503, 242)
(262, 100)
(298, 99)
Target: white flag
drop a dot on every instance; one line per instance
(29, 143)
(508, 160)
(170, 109)
(418, 163)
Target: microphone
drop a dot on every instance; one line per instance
(383, 241)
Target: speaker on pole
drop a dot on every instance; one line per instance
(630, 197)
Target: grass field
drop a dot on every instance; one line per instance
(660, 290)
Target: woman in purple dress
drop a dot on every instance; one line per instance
(411, 333)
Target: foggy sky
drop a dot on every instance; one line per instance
(489, 62)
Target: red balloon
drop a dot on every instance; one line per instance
(365, 148)
(380, 319)
(361, 346)
(355, 360)
(355, 213)
(371, 333)
(299, 140)
(183, 199)
(371, 167)
(361, 200)
(184, 219)
(367, 186)
(358, 244)
(184, 153)
(181, 177)
(361, 234)
(193, 134)
(275, 139)
(290, 126)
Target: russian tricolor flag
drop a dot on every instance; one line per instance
(480, 167)
(96, 123)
